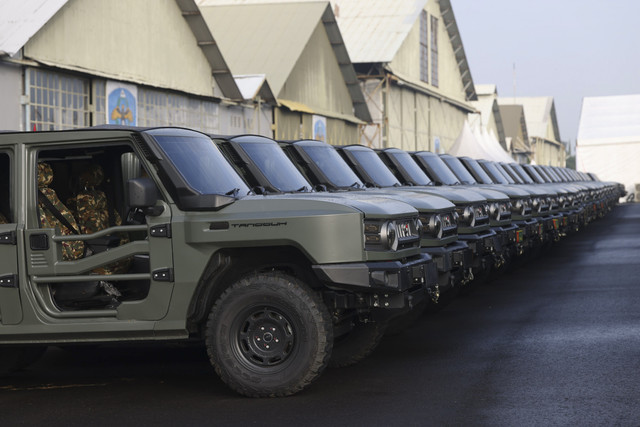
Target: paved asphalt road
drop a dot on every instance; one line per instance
(556, 342)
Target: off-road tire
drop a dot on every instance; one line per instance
(357, 344)
(269, 335)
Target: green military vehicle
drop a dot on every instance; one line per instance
(116, 234)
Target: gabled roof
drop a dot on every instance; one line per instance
(609, 120)
(458, 49)
(210, 49)
(252, 86)
(374, 30)
(20, 20)
(487, 105)
(538, 111)
(279, 33)
(487, 89)
(513, 121)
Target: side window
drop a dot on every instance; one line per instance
(6, 206)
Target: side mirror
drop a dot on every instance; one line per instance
(143, 194)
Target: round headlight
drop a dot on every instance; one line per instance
(494, 211)
(537, 205)
(469, 216)
(435, 226)
(391, 237)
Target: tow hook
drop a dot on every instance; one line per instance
(434, 293)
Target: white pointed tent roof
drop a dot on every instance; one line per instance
(500, 153)
(468, 145)
(487, 143)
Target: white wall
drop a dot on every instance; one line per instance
(10, 91)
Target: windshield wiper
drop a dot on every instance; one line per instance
(356, 185)
(232, 193)
(303, 189)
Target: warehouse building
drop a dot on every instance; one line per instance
(411, 62)
(73, 63)
(299, 48)
(608, 142)
(542, 128)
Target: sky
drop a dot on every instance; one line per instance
(567, 49)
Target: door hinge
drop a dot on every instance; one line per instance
(8, 238)
(162, 275)
(161, 230)
(9, 281)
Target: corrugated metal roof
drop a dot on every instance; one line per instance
(486, 89)
(253, 85)
(538, 111)
(263, 50)
(609, 119)
(210, 49)
(280, 31)
(20, 20)
(374, 30)
(451, 25)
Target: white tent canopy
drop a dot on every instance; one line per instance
(479, 144)
(500, 154)
(467, 144)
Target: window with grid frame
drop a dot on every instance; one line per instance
(424, 47)
(434, 51)
(157, 108)
(57, 101)
(100, 102)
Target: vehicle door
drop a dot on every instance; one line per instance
(146, 285)
(10, 303)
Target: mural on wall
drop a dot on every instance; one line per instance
(320, 128)
(122, 104)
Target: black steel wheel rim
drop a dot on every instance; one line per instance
(263, 337)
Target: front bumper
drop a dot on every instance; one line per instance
(453, 262)
(483, 247)
(396, 276)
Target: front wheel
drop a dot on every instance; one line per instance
(269, 335)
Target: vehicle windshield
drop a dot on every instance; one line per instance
(504, 173)
(494, 173)
(200, 163)
(458, 168)
(375, 168)
(534, 174)
(512, 173)
(273, 163)
(522, 173)
(416, 174)
(543, 173)
(337, 171)
(477, 169)
(438, 169)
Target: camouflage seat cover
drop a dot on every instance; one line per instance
(3, 220)
(70, 250)
(92, 213)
